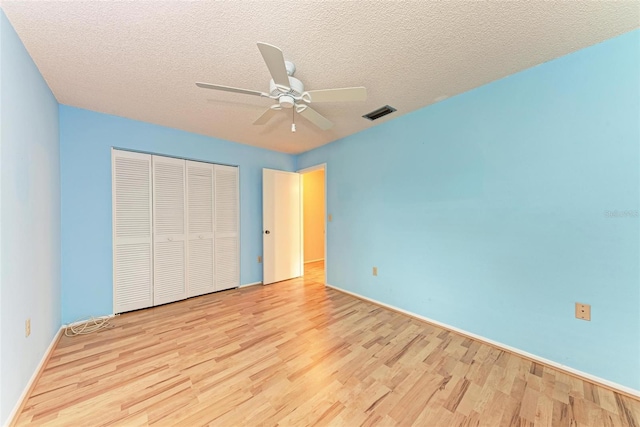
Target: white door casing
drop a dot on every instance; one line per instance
(132, 231)
(169, 227)
(282, 237)
(200, 208)
(322, 166)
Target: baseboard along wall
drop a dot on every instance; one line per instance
(17, 409)
(618, 388)
(250, 284)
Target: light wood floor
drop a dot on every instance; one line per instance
(297, 353)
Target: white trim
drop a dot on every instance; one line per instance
(113, 230)
(301, 220)
(249, 284)
(14, 412)
(314, 260)
(321, 166)
(590, 377)
(326, 222)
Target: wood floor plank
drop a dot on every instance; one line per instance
(298, 353)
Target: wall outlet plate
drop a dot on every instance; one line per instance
(583, 311)
(259, 259)
(375, 271)
(330, 217)
(27, 327)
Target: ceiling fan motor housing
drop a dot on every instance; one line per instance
(297, 88)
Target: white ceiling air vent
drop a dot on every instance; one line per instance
(380, 112)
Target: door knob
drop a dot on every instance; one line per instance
(267, 232)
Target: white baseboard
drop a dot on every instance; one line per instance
(314, 260)
(36, 373)
(609, 384)
(250, 284)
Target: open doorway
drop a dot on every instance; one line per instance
(314, 223)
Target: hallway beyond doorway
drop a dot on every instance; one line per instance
(314, 272)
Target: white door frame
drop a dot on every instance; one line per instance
(321, 166)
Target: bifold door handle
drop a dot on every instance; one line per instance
(267, 232)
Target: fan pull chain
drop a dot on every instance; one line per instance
(293, 117)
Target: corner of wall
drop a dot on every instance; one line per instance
(30, 203)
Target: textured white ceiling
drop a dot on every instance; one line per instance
(140, 59)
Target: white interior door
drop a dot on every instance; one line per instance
(169, 227)
(227, 226)
(132, 244)
(200, 199)
(281, 217)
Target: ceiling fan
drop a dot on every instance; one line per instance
(289, 93)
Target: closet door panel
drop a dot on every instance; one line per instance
(132, 236)
(169, 277)
(201, 279)
(227, 224)
(201, 228)
(169, 226)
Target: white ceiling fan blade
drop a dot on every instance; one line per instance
(265, 117)
(275, 62)
(316, 118)
(346, 94)
(230, 89)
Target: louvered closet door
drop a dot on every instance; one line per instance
(169, 230)
(200, 218)
(132, 244)
(227, 248)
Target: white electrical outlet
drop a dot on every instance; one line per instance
(583, 311)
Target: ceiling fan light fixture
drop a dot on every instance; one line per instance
(287, 101)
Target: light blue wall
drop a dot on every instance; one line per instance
(487, 211)
(2, 23)
(86, 139)
(30, 211)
